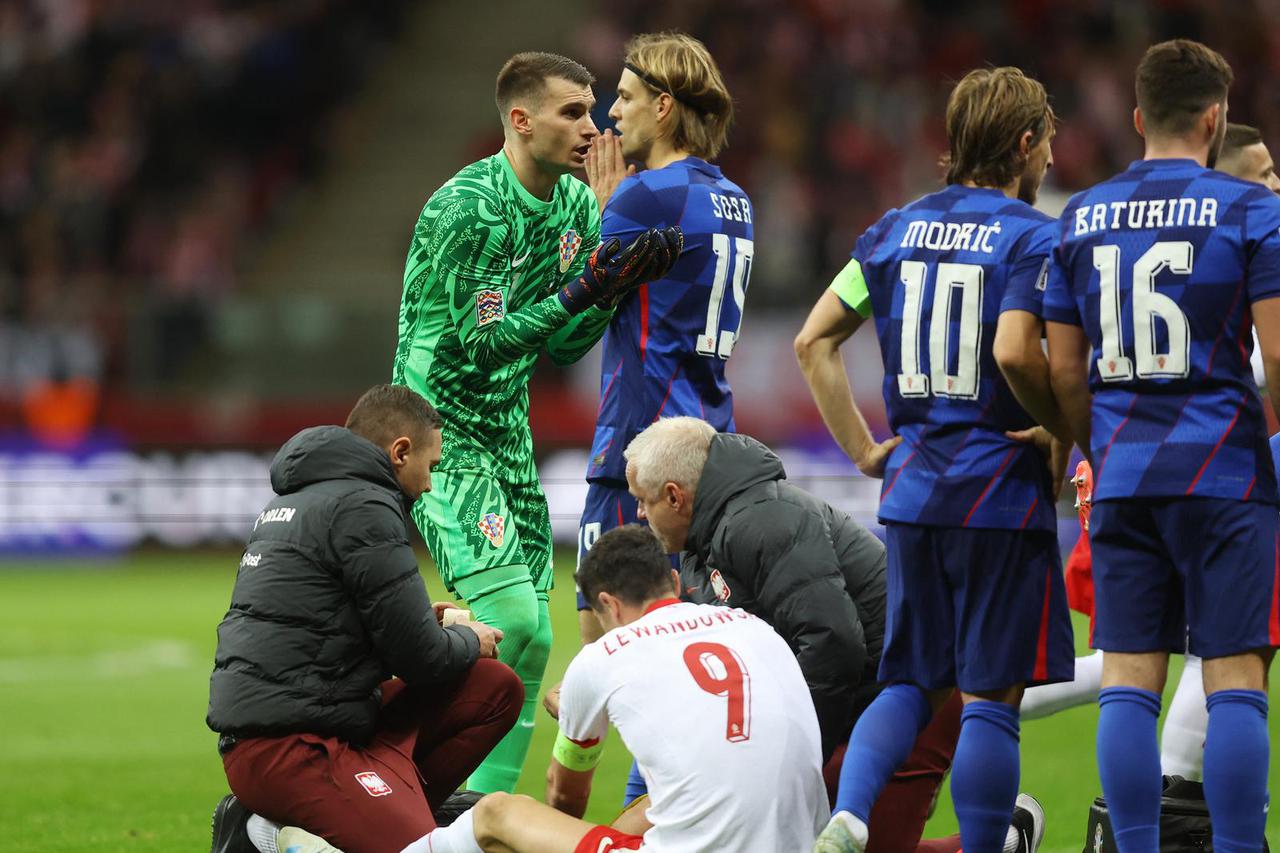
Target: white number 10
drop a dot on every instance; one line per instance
(714, 340)
(1175, 255)
(967, 278)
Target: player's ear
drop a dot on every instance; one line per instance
(1024, 143)
(521, 120)
(1212, 116)
(1138, 123)
(665, 105)
(612, 606)
(675, 582)
(399, 451)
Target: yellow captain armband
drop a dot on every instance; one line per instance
(851, 287)
(579, 757)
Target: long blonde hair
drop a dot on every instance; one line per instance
(987, 114)
(681, 66)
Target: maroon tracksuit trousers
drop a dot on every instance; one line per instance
(378, 798)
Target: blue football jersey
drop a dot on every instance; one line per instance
(1160, 265)
(937, 274)
(666, 348)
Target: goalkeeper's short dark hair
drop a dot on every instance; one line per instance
(524, 78)
(627, 562)
(386, 412)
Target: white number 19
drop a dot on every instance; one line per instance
(715, 340)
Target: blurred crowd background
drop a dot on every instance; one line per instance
(169, 173)
(146, 149)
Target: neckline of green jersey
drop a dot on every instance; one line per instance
(527, 197)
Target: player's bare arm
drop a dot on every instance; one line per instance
(1069, 376)
(817, 347)
(1266, 318)
(568, 790)
(1025, 366)
(606, 167)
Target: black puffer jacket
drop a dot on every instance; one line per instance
(328, 601)
(814, 574)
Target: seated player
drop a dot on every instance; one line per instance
(751, 539)
(709, 700)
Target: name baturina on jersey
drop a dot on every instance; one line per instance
(948, 236)
(623, 637)
(1147, 213)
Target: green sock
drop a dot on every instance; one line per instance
(525, 621)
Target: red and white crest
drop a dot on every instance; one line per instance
(718, 584)
(373, 784)
(569, 245)
(494, 527)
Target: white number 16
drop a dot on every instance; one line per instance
(1177, 256)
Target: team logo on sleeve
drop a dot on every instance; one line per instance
(373, 784)
(494, 527)
(719, 586)
(570, 242)
(491, 307)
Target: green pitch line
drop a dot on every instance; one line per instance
(104, 672)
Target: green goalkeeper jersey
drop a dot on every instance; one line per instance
(480, 303)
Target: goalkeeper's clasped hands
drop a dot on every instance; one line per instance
(612, 272)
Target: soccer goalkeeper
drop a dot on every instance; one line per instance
(502, 267)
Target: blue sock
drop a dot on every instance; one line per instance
(1236, 753)
(636, 787)
(1129, 764)
(880, 743)
(984, 775)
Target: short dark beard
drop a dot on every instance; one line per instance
(1215, 148)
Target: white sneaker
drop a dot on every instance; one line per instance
(293, 839)
(1028, 822)
(844, 833)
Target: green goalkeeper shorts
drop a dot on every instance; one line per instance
(474, 522)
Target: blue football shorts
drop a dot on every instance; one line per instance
(1186, 574)
(976, 609)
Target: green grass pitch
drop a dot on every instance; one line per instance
(103, 683)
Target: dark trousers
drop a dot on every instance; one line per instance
(902, 809)
(378, 798)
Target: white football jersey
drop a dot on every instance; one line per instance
(712, 704)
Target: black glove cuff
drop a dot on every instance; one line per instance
(576, 296)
